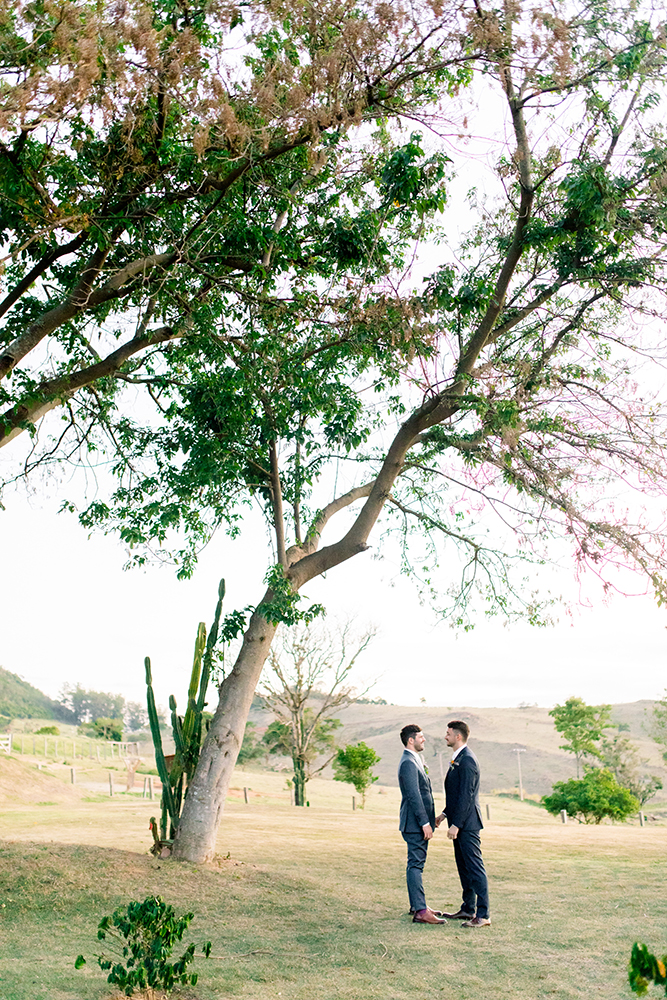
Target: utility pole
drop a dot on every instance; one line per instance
(518, 751)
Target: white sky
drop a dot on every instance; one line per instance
(71, 614)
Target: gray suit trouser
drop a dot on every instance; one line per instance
(417, 848)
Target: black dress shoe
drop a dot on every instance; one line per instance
(461, 915)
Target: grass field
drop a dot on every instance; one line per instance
(311, 903)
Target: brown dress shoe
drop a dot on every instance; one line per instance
(459, 915)
(426, 917)
(477, 922)
(436, 912)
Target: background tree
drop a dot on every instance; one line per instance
(592, 798)
(354, 765)
(135, 716)
(251, 748)
(88, 705)
(620, 755)
(583, 727)
(658, 724)
(305, 742)
(308, 678)
(104, 728)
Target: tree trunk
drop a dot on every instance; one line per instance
(299, 782)
(205, 801)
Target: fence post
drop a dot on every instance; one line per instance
(150, 786)
(110, 785)
(354, 803)
(245, 795)
(488, 812)
(563, 815)
(641, 817)
(72, 772)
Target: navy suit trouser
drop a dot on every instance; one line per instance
(468, 855)
(417, 849)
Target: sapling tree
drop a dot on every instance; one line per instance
(354, 764)
(140, 939)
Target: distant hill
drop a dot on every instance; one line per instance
(20, 700)
(495, 732)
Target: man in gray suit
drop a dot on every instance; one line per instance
(417, 820)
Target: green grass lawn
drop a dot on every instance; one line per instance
(311, 903)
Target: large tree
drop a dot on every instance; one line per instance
(503, 385)
(150, 155)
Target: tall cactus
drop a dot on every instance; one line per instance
(188, 730)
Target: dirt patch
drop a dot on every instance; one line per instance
(22, 783)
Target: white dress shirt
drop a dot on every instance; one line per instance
(417, 758)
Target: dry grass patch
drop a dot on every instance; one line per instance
(311, 903)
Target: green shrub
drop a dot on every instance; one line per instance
(47, 731)
(353, 765)
(646, 968)
(145, 935)
(592, 797)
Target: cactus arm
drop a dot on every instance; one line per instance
(210, 646)
(167, 797)
(190, 714)
(177, 727)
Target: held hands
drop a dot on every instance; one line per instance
(439, 819)
(428, 831)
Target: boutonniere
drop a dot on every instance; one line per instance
(453, 763)
(425, 768)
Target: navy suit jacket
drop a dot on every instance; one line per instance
(417, 806)
(462, 792)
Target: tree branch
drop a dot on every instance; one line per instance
(54, 392)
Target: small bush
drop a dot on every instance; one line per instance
(646, 968)
(144, 935)
(47, 731)
(592, 797)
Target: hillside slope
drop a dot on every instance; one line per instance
(20, 700)
(495, 732)
(22, 783)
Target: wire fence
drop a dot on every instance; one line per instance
(55, 747)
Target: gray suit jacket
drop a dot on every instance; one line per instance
(417, 806)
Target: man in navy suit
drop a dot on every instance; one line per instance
(417, 820)
(464, 819)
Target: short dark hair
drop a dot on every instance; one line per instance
(462, 727)
(408, 731)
